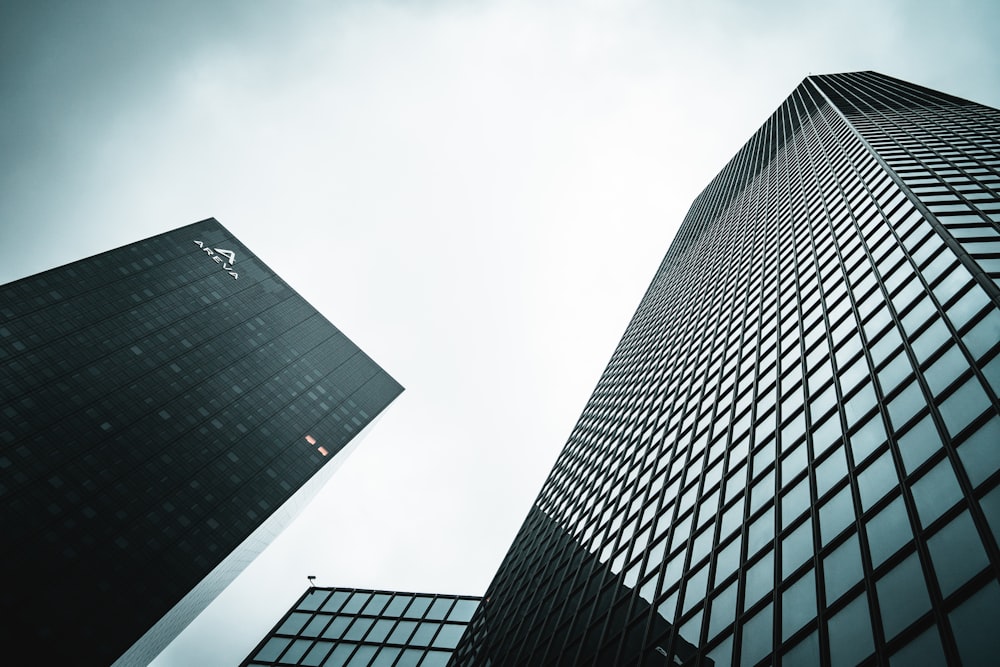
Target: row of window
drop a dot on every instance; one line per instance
(751, 363)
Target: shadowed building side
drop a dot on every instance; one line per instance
(161, 404)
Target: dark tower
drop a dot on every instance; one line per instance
(794, 454)
(167, 407)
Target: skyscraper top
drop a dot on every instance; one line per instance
(791, 455)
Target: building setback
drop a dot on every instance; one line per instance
(168, 407)
(366, 628)
(793, 455)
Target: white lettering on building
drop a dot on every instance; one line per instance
(221, 256)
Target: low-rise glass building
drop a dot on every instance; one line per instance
(338, 627)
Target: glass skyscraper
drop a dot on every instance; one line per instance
(167, 408)
(366, 628)
(793, 456)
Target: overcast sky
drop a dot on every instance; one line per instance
(477, 193)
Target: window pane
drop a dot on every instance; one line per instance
(376, 604)
(339, 655)
(917, 444)
(924, 650)
(831, 471)
(888, 531)
(463, 610)
(296, 650)
(317, 653)
(842, 568)
(337, 627)
(272, 649)
(975, 627)
(761, 532)
(967, 403)
(397, 606)
(294, 623)
(851, 634)
(354, 605)
(759, 580)
(316, 625)
(723, 610)
(907, 404)
(806, 652)
(756, 637)
(410, 658)
(313, 600)
(418, 607)
(957, 553)
(386, 657)
(362, 656)
(867, 440)
(946, 370)
(422, 637)
(798, 604)
(902, 596)
(448, 636)
(402, 632)
(439, 609)
(980, 454)
(836, 514)
(991, 508)
(877, 480)
(796, 548)
(336, 600)
(435, 659)
(935, 492)
(380, 630)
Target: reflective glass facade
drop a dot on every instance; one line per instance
(794, 454)
(166, 408)
(338, 627)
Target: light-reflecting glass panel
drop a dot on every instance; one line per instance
(975, 626)
(877, 480)
(756, 637)
(917, 444)
(798, 604)
(903, 407)
(842, 568)
(851, 634)
(935, 492)
(924, 651)
(980, 454)
(888, 531)
(796, 548)
(957, 553)
(902, 596)
(967, 403)
(830, 471)
(759, 580)
(868, 438)
(337, 627)
(946, 370)
(836, 515)
(723, 610)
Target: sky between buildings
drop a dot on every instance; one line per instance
(497, 182)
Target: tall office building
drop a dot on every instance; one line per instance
(793, 454)
(335, 627)
(168, 407)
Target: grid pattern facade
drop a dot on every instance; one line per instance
(338, 627)
(794, 454)
(161, 402)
